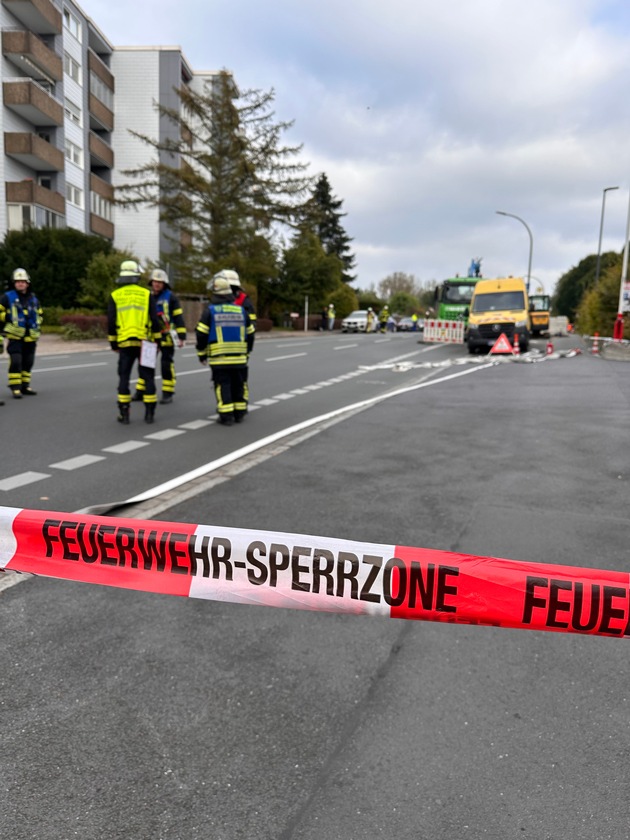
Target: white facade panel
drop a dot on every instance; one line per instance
(137, 75)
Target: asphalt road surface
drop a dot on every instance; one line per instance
(131, 715)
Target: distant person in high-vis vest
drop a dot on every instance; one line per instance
(171, 317)
(21, 321)
(225, 337)
(132, 319)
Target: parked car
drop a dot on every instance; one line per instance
(355, 322)
(407, 325)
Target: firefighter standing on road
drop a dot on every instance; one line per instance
(225, 337)
(383, 317)
(241, 298)
(170, 313)
(21, 317)
(132, 319)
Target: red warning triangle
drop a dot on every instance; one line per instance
(502, 345)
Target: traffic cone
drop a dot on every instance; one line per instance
(595, 348)
(517, 346)
(549, 350)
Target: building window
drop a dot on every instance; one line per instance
(19, 216)
(72, 68)
(74, 195)
(73, 112)
(74, 153)
(101, 91)
(71, 23)
(100, 206)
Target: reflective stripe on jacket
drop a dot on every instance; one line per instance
(23, 317)
(221, 334)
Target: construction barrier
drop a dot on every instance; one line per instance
(314, 573)
(451, 332)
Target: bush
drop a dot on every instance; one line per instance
(81, 327)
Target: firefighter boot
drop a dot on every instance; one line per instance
(149, 413)
(123, 413)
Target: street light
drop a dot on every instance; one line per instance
(601, 230)
(531, 242)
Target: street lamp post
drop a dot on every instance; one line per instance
(531, 242)
(601, 231)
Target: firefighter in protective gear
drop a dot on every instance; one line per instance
(383, 317)
(21, 320)
(171, 317)
(225, 337)
(131, 319)
(242, 299)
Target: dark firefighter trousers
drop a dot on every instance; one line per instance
(21, 361)
(126, 359)
(229, 388)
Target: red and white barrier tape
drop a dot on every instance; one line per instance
(314, 573)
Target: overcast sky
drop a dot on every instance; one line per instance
(429, 116)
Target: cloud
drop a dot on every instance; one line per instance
(429, 117)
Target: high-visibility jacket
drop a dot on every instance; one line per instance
(22, 316)
(225, 335)
(170, 314)
(132, 316)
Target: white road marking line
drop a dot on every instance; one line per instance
(127, 446)
(283, 396)
(165, 434)
(70, 367)
(345, 347)
(195, 424)
(21, 480)
(77, 462)
(306, 424)
(280, 358)
(266, 401)
(299, 391)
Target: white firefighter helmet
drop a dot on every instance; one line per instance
(159, 275)
(21, 274)
(220, 286)
(130, 268)
(228, 274)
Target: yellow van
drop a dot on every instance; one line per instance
(498, 306)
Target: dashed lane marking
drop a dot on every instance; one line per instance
(165, 434)
(193, 425)
(126, 446)
(22, 480)
(280, 358)
(77, 462)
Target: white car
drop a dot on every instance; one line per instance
(355, 322)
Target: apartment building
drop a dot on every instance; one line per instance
(148, 78)
(57, 119)
(70, 102)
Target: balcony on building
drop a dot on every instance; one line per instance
(97, 66)
(29, 192)
(31, 55)
(101, 153)
(33, 151)
(40, 16)
(98, 223)
(32, 102)
(101, 118)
